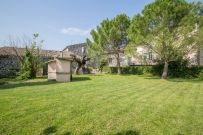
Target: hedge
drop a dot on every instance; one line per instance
(136, 70)
(175, 70)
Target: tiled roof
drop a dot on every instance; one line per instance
(79, 45)
(6, 51)
(77, 49)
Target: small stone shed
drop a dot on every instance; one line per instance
(59, 69)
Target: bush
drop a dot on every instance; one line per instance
(200, 76)
(26, 67)
(177, 69)
(136, 70)
(106, 69)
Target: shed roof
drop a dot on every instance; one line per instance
(60, 58)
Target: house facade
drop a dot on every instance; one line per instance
(143, 56)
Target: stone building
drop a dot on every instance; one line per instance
(10, 63)
(78, 49)
(143, 56)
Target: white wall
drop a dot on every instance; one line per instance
(52, 70)
(63, 66)
(59, 70)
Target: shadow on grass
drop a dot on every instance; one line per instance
(49, 130)
(152, 78)
(128, 132)
(69, 133)
(23, 84)
(80, 78)
(15, 84)
(192, 80)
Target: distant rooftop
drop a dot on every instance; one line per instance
(6, 51)
(77, 49)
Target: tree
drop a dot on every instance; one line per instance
(80, 62)
(26, 66)
(35, 50)
(31, 61)
(168, 28)
(110, 37)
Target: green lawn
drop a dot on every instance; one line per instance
(102, 105)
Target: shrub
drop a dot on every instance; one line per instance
(26, 67)
(106, 69)
(200, 76)
(177, 69)
(136, 70)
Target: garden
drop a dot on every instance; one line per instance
(161, 95)
(102, 104)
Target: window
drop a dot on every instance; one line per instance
(150, 55)
(83, 50)
(110, 60)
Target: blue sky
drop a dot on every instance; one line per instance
(60, 22)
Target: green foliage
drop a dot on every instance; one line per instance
(102, 64)
(168, 28)
(32, 61)
(178, 69)
(26, 67)
(200, 76)
(109, 37)
(110, 34)
(135, 70)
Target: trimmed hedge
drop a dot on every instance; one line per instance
(175, 70)
(178, 69)
(136, 70)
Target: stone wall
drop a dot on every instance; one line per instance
(9, 66)
(201, 57)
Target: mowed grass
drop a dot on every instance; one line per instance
(102, 105)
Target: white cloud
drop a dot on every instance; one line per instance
(73, 31)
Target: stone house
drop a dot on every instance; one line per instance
(80, 50)
(143, 56)
(10, 63)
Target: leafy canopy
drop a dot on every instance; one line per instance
(167, 27)
(110, 35)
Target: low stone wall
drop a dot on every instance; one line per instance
(9, 66)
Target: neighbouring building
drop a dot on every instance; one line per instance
(77, 49)
(143, 56)
(10, 63)
(80, 50)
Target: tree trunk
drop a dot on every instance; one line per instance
(77, 69)
(118, 64)
(165, 71)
